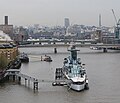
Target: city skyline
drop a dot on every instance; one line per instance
(53, 12)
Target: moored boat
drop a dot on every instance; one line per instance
(47, 58)
(15, 64)
(24, 58)
(74, 71)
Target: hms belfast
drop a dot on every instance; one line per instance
(73, 73)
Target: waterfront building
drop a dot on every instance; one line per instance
(8, 51)
(8, 54)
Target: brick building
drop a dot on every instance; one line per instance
(6, 28)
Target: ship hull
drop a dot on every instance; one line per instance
(77, 87)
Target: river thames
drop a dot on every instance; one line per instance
(103, 70)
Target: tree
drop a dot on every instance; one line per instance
(3, 62)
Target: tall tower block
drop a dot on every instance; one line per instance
(99, 20)
(67, 22)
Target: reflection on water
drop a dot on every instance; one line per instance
(103, 70)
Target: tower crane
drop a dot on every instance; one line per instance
(114, 16)
(117, 28)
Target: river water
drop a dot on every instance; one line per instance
(103, 70)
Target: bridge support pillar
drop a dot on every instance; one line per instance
(55, 50)
(25, 81)
(104, 50)
(19, 80)
(54, 42)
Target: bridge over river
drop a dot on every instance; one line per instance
(80, 43)
(104, 47)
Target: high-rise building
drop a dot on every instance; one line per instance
(100, 21)
(67, 22)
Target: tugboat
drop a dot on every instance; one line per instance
(24, 58)
(47, 58)
(74, 71)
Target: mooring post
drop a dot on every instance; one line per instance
(35, 85)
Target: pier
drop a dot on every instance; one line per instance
(15, 75)
(59, 78)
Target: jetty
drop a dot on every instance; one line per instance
(17, 76)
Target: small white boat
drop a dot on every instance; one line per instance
(47, 58)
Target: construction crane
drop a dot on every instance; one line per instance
(117, 28)
(114, 16)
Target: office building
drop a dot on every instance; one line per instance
(67, 22)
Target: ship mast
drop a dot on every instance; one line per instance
(73, 51)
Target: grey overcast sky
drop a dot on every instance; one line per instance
(53, 12)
